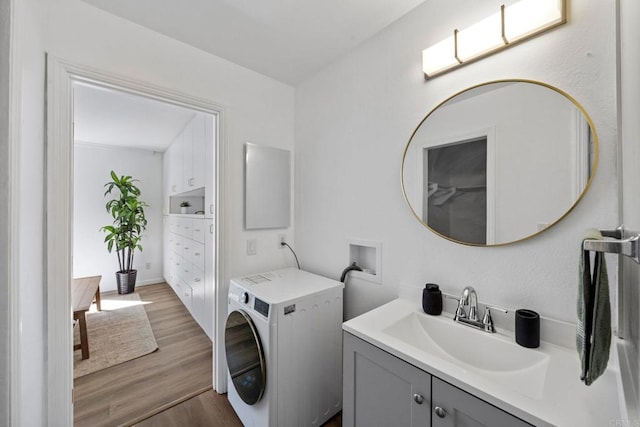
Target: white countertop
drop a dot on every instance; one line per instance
(563, 399)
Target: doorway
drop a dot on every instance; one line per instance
(62, 77)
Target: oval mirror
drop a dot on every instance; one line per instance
(499, 162)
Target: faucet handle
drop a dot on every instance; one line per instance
(496, 307)
(460, 314)
(487, 321)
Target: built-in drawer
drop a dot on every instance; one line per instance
(186, 271)
(198, 229)
(175, 243)
(174, 224)
(187, 249)
(197, 254)
(197, 275)
(185, 294)
(185, 227)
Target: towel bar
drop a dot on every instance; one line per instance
(628, 247)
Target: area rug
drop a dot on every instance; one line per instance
(117, 334)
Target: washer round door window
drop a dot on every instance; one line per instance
(245, 357)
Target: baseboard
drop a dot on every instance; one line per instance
(153, 281)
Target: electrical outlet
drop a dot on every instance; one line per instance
(147, 266)
(282, 238)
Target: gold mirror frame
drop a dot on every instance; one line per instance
(594, 166)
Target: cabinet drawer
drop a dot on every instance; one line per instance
(174, 226)
(186, 225)
(197, 254)
(198, 230)
(461, 408)
(185, 293)
(187, 249)
(186, 271)
(175, 243)
(197, 275)
(176, 270)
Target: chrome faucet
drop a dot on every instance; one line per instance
(469, 317)
(469, 298)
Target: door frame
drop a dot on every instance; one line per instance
(61, 75)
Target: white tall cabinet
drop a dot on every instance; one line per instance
(189, 239)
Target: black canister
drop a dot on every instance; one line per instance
(527, 328)
(432, 299)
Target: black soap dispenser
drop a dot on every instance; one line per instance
(432, 299)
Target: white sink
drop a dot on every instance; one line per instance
(541, 386)
(493, 356)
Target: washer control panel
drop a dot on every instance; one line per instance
(247, 299)
(261, 307)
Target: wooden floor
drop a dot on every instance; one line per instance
(182, 366)
(149, 391)
(209, 409)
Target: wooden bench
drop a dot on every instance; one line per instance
(84, 290)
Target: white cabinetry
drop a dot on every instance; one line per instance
(193, 156)
(174, 165)
(189, 167)
(189, 241)
(380, 389)
(186, 158)
(185, 265)
(210, 134)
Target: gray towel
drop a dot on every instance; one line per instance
(593, 337)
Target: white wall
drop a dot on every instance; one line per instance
(258, 109)
(5, 249)
(29, 187)
(352, 121)
(92, 166)
(354, 118)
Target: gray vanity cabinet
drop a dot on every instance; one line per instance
(382, 390)
(456, 408)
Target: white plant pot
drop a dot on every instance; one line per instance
(183, 209)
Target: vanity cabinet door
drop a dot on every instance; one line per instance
(453, 407)
(381, 390)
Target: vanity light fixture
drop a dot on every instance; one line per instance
(512, 24)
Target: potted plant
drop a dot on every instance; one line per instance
(125, 233)
(183, 206)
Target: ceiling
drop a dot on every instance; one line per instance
(110, 117)
(287, 40)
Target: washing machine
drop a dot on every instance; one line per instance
(283, 343)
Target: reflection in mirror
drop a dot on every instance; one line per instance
(456, 190)
(499, 162)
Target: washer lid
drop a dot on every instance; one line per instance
(285, 285)
(245, 357)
